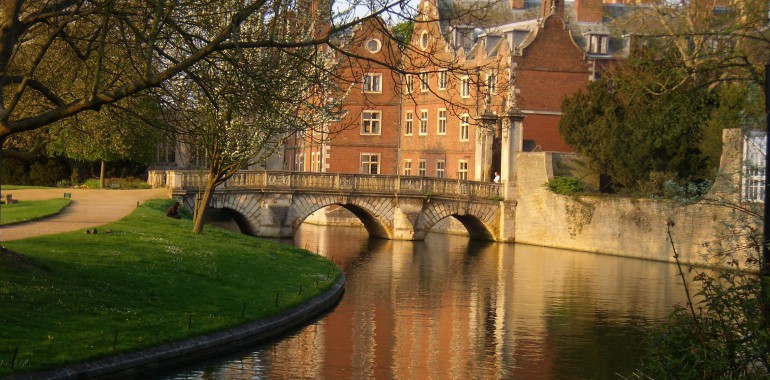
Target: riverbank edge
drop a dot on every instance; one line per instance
(203, 347)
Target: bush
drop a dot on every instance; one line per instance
(565, 185)
(48, 172)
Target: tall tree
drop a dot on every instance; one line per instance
(633, 123)
(127, 130)
(234, 109)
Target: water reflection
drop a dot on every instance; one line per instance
(453, 308)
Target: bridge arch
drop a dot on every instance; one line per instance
(373, 213)
(480, 220)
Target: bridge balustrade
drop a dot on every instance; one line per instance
(190, 180)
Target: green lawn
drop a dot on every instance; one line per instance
(26, 211)
(76, 296)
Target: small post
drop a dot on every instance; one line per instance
(137, 204)
(115, 340)
(13, 360)
(300, 289)
(276, 299)
(189, 322)
(243, 312)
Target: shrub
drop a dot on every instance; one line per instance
(565, 185)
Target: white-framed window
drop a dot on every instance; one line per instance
(440, 168)
(299, 164)
(424, 82)
(370, 163)
(373, 45)
(313, 161)
(597, 44)
(465, 127)
(370, 122)
(407, 166)
(442, 80)
(409, 123)
(462, 169)
(422, 167)
(465, 87)
(423, 122)
(441, 123)
(408, 83)
(754, 151)
(424, 39)
(372, 82)
(316, 162)
(492, 83)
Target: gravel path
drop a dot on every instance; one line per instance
(89, 208)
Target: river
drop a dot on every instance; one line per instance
(452, 308)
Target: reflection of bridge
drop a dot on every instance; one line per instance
(274, 204)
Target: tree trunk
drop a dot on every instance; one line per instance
(200, 207)
(101, 175)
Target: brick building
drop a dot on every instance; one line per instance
(444, 116)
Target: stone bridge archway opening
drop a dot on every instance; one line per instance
(346, 214)
(229, 219)
(469, 225)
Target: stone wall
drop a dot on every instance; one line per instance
(621, 226)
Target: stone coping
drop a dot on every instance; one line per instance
(195, 349)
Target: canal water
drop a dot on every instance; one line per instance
(452, 308)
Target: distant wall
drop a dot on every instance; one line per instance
(620, 226)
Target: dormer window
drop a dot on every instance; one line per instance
(597, 43)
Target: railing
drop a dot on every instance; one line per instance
(356, 183)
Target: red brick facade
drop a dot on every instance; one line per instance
(430, 118)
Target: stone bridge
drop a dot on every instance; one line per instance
(274, 204)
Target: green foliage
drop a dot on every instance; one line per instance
(638, 120)
(26, 211)
(48, 172)
(67, 296)
(564, 185)
(403, 32)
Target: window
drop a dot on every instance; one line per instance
(166, 152)
(424, 39)
(370, 163)
(315, 162)
(299, 164)
(408, 167)
(423, 122)
(372, 82)
(492, 83)
(442, 80)
(440, 167)
(373, 45)
(462, 169)
(409, 123)
(441, 122)
(465, 87)
(422, 165)
(465, 127)
(597, 44)
(408, 83)
(370, 123)
(424, 82)
(313, 157)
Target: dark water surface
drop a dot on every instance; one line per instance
(452, 308)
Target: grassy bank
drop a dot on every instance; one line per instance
(31, 210)
(74, 296)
